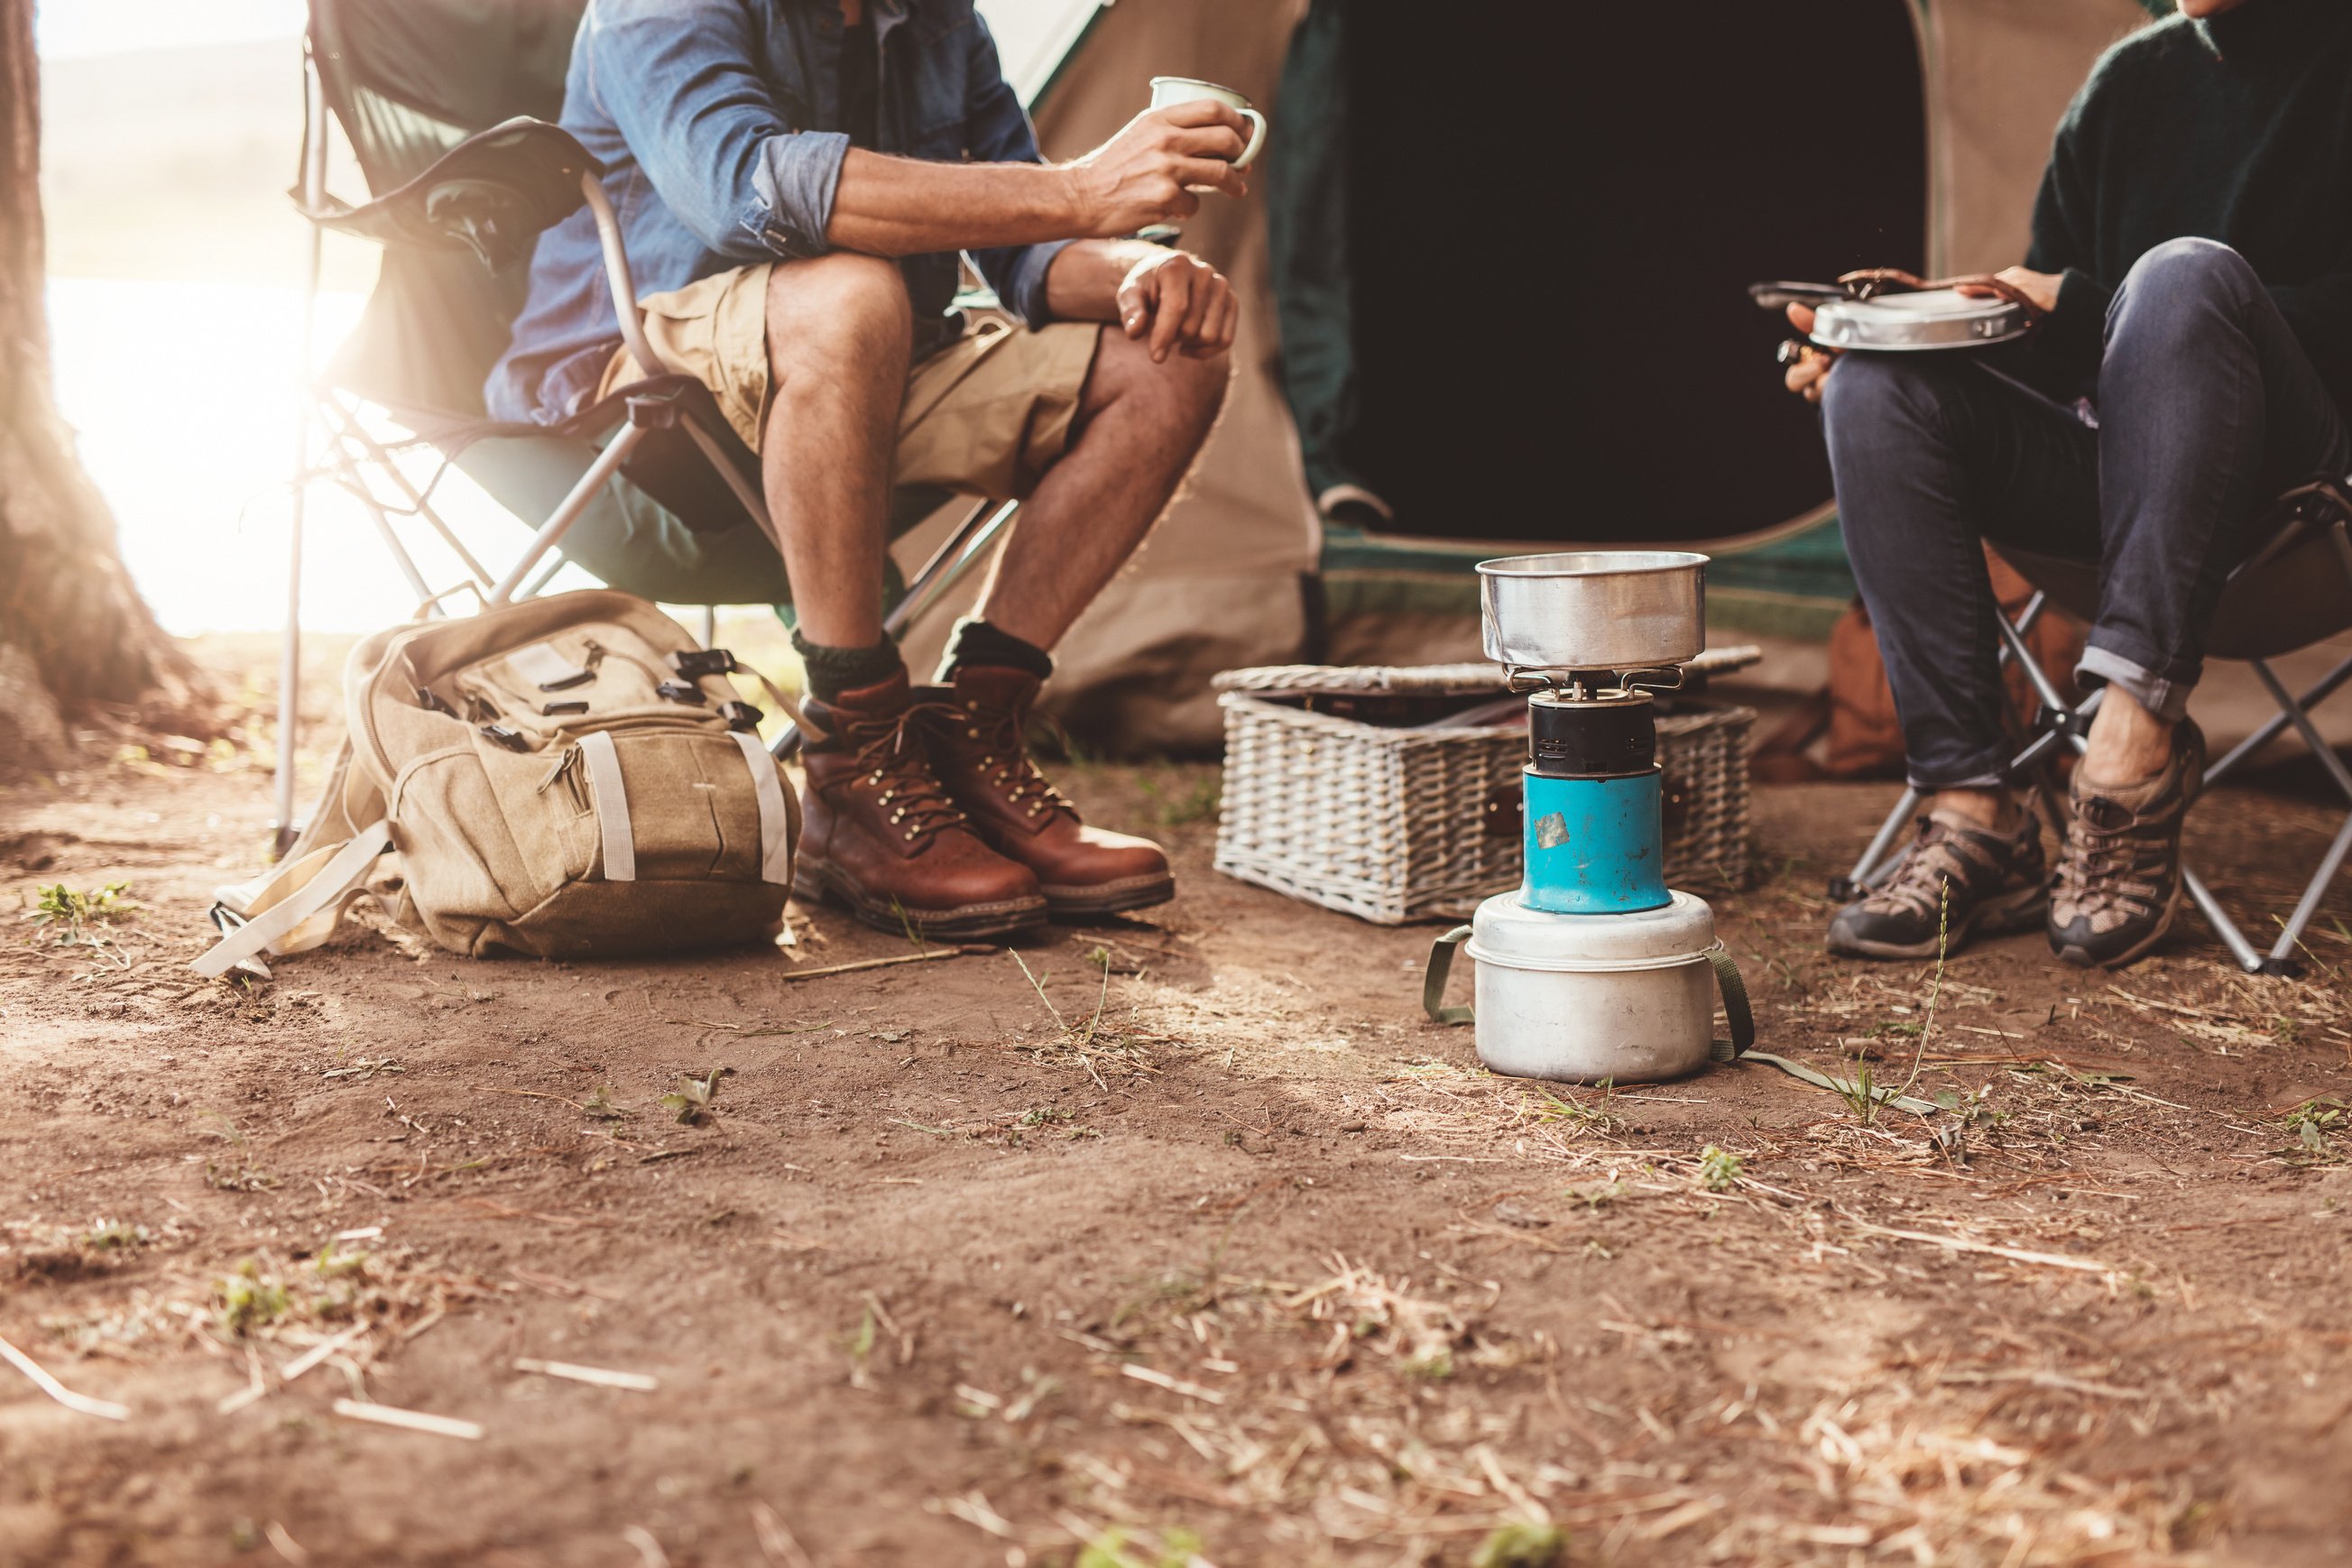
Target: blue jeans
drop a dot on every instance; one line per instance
(2207, 409)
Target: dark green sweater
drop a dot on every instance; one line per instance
(2237, 128)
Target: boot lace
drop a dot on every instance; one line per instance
(890, 758)
(1938, 855)
(1007, 763)
(2111, 870)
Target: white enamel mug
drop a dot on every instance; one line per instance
(1168, 90)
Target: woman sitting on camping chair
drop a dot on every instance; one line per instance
(2192, 248)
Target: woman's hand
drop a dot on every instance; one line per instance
(1811, 370)
(2041, 287)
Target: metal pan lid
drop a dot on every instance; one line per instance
(1930, 318)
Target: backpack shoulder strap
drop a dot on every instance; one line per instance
(299, 905)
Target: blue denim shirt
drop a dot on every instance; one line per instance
(718, 124)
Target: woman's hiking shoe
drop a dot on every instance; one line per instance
(2119, 874)
(976, 732)
(880, 835)
(1957, 880)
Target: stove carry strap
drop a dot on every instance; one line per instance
(1736, 1011)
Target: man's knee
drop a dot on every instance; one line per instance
(843, 306)
(2180, 275)
(1180, 392)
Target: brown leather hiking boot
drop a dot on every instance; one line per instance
(2119, 877)
(974, 730)
(880, 835)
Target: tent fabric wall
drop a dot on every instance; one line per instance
(2000, 73)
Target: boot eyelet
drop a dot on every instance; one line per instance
(971, 734)
(910, 835)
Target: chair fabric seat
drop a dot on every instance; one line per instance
(2295, 598)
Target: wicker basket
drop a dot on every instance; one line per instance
(1398, 824)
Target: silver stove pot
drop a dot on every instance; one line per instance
(1594, 609)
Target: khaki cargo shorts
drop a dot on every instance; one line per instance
(986, 415)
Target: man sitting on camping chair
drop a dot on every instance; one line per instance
(2192, 247)
(796, 179)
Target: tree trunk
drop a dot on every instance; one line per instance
(77, 642)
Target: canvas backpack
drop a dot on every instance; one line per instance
(568, 777)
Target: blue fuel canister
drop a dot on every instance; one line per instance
(1595, 843)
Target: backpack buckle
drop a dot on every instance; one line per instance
(741, 716)
(699, 662)
(682, 691)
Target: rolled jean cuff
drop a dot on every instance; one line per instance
(2168, 700)
(1986, 772)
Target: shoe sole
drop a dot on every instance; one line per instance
(1999, 917)
(2083, 958)
(1110, 899)
(825, 884)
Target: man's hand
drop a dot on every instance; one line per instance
(1140, 176)
(1181, 303)
(2042, 287)
(1808, 374)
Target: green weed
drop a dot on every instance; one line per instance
(1521, 1545)
(693, 1097)
(245, 1302)
(1719, 1169)
(65, 911)
(113, 1235)
(2314, 1125)
(1175, 803)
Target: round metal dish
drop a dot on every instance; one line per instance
(1594, 609)
(1930, 318)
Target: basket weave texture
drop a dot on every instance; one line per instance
(1392, 824)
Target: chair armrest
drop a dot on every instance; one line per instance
(492, 194)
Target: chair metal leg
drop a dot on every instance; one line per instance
(2306, 728)
(2317, 890)
(546, 574)
(558, 523)
(2319, 693)
(289, 653)
(1875, 863)
(290, 659)
(711, 625)
(2223, 926)
(347, 428)
(1867, 869)
(2043, 689)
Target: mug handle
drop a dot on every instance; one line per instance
(1257, 137)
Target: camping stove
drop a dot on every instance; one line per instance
(1593, 968)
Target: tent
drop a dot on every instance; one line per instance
(1511, 277)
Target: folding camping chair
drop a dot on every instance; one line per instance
(446, 105)
(2293, 591)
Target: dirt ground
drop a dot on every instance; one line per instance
(1192, 1239)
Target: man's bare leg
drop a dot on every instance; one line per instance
(840, 332)
(1138, 427)
(878, 833)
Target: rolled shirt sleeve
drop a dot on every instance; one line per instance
(681, 80)
(997, 131)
